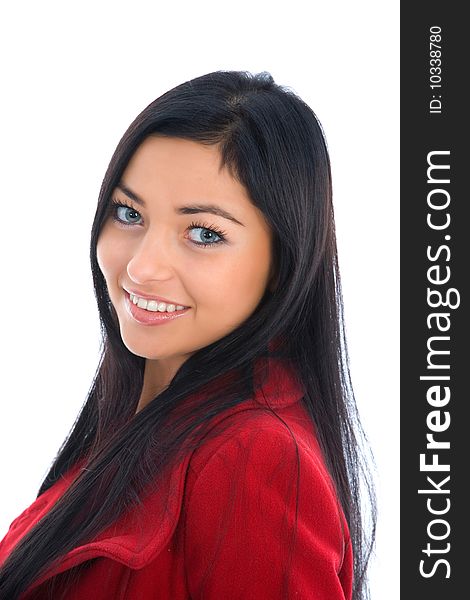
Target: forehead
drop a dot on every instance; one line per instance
(179, 165)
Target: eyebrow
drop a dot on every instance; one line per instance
(189, 209)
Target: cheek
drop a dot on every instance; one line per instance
(102, 255)
(235, 283)
(109, 254)
(250, 272)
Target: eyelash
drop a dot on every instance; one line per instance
(114, 205)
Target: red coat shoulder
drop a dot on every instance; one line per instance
(262, 518)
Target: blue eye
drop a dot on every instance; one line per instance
(208, 233)
(121, 212)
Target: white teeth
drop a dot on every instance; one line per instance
(154, 305)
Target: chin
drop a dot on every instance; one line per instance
(143, 352)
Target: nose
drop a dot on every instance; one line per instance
(150, 261)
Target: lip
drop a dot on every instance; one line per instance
(156, 298)
(146, 317)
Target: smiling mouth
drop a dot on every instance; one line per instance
(155, 305)
(146, 316)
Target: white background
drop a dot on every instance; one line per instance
(73, 78)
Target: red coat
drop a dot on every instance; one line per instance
(193, 550)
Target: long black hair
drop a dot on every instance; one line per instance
(272, 142)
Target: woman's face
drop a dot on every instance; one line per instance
(151, 249)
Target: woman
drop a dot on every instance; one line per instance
(216, 455)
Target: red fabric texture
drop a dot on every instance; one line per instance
(225, 526)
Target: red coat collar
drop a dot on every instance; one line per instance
(136, 538)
